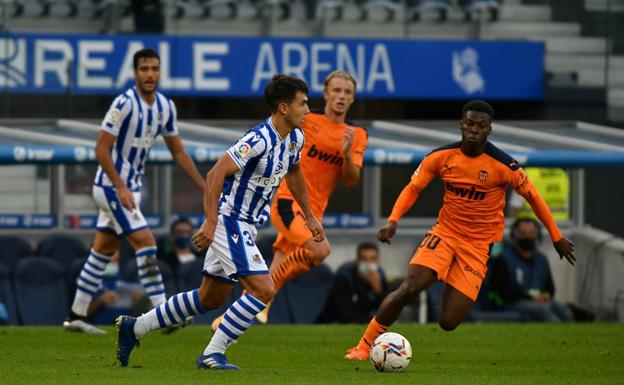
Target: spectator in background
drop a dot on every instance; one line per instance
(116, 297)
(358, 288)
(148, 16)
(180, 252)
(553, 184)
(521, 279)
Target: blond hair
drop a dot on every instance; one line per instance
(340, 74)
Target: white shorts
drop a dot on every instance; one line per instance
(234, 253)
(113, 216)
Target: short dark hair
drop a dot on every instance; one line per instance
(366, 246)
(283, 88)
(181, 220)
(478, 106)
(144, 53)
(518, 221)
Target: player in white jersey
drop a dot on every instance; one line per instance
(132, 123)
(238, 192)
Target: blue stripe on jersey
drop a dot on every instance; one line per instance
(121, 139)
(159, 109)
(243, 183)
(292, 158)
(137, 134)
(117, 209)
(144, 151)
(268, 171)
(250, 169)
(169, 125)
(227, 189)
(236, 243)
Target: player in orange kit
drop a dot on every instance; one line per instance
(476, 175)
(333, 149)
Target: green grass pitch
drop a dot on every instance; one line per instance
(473, 354)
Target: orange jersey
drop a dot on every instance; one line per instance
(474, 192)
(322, 159)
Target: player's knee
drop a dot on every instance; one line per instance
(264, 294)
(407, 290)
(321, 252)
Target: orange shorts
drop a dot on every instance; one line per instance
(460, 264)
(288, 218)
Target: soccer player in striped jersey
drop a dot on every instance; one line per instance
(133, 121)
(238, 191)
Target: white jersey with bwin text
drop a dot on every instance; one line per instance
(263, 158)
(136, 124)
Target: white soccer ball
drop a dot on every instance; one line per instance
(391, 352)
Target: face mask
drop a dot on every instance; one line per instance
(526, 244)
(365, 267)
(182, 242)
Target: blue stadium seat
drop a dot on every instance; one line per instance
(307, 294)
(73, 271)
(129, 273)
(417, 9)
(62, 248)
(12, 249)
(40, 291)
(189, 275)
(7, 296)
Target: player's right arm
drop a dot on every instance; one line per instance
(233, 160)
(107, 137)
(421, 178)
(215, 178)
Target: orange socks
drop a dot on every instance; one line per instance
(373, 330)
(295, 264)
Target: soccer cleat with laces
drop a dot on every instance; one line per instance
(126, 340)
(214, 361)
(357, 354)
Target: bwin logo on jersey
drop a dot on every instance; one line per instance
(12, 62)
(466, 71)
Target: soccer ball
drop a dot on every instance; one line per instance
(391, 352)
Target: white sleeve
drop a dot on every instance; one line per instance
(171, 127)
(117, 113)
(249, 146)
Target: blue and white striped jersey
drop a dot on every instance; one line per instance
(136, 124)
(263, 158)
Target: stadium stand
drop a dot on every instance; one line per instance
(308, 293)
(129, 274)
(7, 295)
(62, 248)
(12, 249)
(41, 291)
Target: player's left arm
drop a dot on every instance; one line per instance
(523, 186)
(296, 184)
(353, 147)
(183, 159)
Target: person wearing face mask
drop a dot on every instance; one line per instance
(358, 289)
(181, 231)
(116, 297)
(521, 279)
